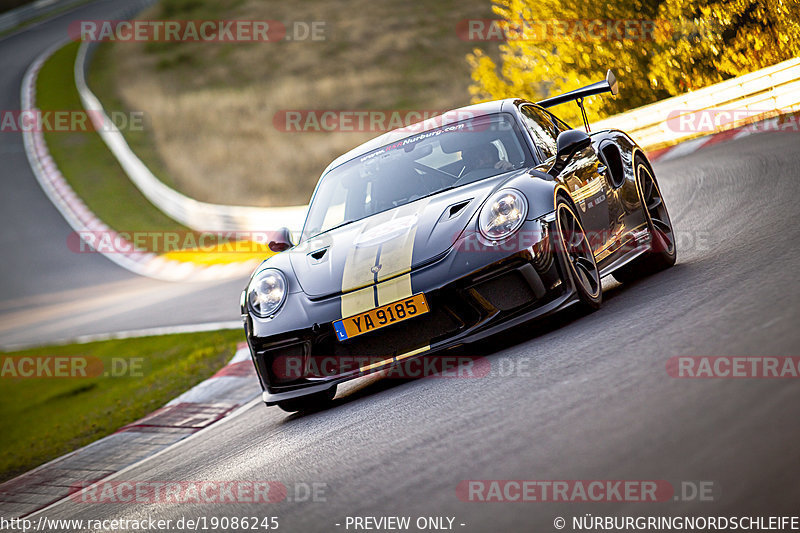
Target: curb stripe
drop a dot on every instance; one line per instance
(81, 219)
(691, 146)
(176, 422)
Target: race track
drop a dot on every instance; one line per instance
(590, 397)
(48, 292)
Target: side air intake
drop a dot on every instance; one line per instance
(453, 210)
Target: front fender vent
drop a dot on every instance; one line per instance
(318, 256)
(455, 209)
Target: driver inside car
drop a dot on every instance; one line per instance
(485, 156)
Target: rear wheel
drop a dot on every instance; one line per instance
(662, 251)
(312, 402)
(580, 258)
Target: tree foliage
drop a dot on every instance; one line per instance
(680, 45)
(731, 37)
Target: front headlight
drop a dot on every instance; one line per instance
(266, 292)
(503, 214)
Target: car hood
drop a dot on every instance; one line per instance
(390, 243)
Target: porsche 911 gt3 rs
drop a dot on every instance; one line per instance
(440, 234)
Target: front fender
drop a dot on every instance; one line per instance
(538, 188)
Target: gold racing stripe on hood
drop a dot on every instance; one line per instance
(395, 255)
(356, 302)
(378, 246)
(395, 289)
(357, 272)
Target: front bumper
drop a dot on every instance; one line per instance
(493, 290)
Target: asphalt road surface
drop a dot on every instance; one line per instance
(47, 292)
(587, 398)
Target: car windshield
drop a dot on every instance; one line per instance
(419, 165)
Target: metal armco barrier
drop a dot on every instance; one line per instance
(768, 92)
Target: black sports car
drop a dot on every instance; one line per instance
(433, 236)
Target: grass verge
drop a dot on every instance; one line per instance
(84, 159)
(97, 178)
(43, 418)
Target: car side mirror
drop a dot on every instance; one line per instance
(571, 141)
(567, 144)
(282, 241)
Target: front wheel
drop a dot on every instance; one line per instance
(662, 253)
(579, 256)
(312, 402)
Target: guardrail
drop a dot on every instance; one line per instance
(761, 94)
(771, 91)
(194, 214)
(81, 219)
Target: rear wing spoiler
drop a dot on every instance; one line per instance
(608, 85)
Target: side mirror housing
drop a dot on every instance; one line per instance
(567, 144)
(571, 141)
(282, 241)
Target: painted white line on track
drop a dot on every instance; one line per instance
(132, 334)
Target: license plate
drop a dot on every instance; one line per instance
(380, 317)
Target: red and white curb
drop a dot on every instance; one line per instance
(82, 220)
(227, 393)
(693, 145)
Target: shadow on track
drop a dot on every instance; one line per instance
(379, 382)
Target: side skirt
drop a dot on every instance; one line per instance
(619, 259)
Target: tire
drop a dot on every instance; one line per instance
(663, 252)
(312, 402)
(578, 256)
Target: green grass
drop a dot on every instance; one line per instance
(43, 418)
(85, 160)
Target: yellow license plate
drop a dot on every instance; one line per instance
(380, 317)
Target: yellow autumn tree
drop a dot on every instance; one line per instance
(665, 47)
(564, 45)
(721, 39)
